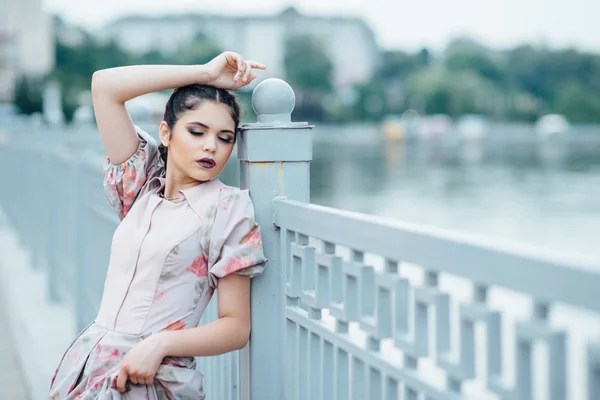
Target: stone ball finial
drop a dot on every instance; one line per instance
(273, 100)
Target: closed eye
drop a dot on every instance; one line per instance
(226, 139)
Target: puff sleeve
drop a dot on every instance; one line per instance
(123, 182)
(235, 244)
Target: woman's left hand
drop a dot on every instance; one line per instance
(141, 363)
(229, 70)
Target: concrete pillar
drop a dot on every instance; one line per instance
(275, 156)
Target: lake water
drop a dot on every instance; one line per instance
(508, 190)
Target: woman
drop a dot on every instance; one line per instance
(182, 234)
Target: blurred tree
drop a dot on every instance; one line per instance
(462, 55)
(389, 82)
(103, 55)
(519, 83)
(307, 64)
(398, 64)
(523, 69)
(83, 60)
(75, 66)
(308, 69)
(565, 80)
(200, 50)
(28, 95)
(436, 90)
(577, 102)
(371, 104)
(423, 57)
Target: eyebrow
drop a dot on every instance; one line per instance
(207, 127)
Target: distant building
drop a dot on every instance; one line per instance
(26, 43)
(349, 41)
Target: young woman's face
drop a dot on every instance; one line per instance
(201, 141)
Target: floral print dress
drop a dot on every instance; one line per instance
(165, 263)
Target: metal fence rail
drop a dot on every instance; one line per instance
(328, 290)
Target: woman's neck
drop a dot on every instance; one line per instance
(175, 181)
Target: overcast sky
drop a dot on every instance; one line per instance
(397, 23)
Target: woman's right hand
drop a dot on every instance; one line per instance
(230, 71)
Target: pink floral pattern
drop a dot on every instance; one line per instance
(237, 246)
(175, 326)
(123, 182)
(199, 266)
(237, 263)
(176, 377)
(253, 239)
(158, 295)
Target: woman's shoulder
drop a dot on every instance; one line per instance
(124, 182)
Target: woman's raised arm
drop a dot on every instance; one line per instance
(112, 87)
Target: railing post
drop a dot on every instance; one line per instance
(275, 156)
